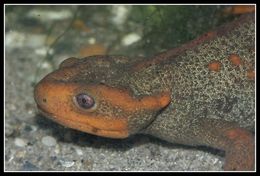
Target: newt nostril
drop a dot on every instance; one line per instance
(40, 95)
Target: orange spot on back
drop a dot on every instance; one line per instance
(95, 49)
(210, 34)
(235, 59)
(237, 133)
(240, 9)
(250, 74)
(214, 66)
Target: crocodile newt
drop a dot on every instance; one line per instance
(202, 93)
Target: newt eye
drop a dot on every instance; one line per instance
(85, 101)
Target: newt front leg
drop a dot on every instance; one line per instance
(237, 142)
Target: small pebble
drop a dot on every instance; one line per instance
(49, 15)
(79, 151)
(67, 163)
(57, 149)
(120, 14)
(8, 131)
(12, 107)
(20, 142)
(49, 141)
(92, 41)
(30, 128)
(41, 51)
(27, 166)
(130, 39)
(20, 154)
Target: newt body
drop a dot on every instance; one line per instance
(202, 93)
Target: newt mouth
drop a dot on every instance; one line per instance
(84, 127)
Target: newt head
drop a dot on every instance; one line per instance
(77, 97)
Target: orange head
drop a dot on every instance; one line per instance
(93, 106)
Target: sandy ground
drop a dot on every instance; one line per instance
(34, 143)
